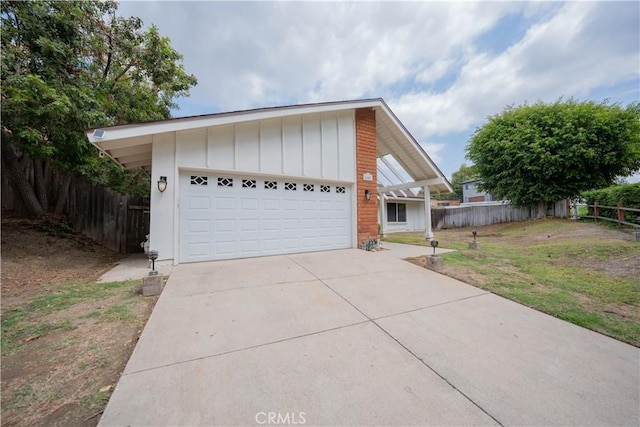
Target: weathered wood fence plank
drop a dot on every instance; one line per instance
(489, 213)
(115, 221)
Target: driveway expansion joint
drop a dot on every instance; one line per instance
(238, 350)
(431, 306)
(419, 359)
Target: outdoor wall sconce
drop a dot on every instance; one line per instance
(367, 194)
(162, 184)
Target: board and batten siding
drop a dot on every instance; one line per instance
(315, 146)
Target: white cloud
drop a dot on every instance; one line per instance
(443, 67)
(301, 52)
(577, 50)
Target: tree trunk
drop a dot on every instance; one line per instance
(33, 206)
(63, 194)
(40, 183)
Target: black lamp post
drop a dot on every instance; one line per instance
(475, 234)
(434, 245)
(153, 256)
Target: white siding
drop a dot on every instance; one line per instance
(292, 146)
(312, 146)
(415, 218)
(220, 148)
(192, 146)
(330, 153)
(248, 146)
(271, 146)
(163, 204)
(319, 146)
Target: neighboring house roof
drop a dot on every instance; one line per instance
(130, 145)
(471, 181)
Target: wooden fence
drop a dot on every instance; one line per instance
(623, 215)
(117, 222)
(475, 215)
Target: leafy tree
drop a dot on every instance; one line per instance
(68, 66)
(463, 174)
(541, 153)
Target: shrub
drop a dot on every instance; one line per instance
(628, 194)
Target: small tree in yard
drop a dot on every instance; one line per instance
(541, 153)
(68, 66)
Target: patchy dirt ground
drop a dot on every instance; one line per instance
(65, 339)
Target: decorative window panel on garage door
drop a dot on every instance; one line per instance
(242, 216)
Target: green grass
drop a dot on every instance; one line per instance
(67, 295)
(554, 276)
(24, 322)
(117, 313)
(23, 397)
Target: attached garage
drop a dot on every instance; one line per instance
(268, 181)
(226, 216)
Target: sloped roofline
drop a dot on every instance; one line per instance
(143, 129)
(247, 115)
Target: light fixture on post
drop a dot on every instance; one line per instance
(153, 256)
(434, 245)
(367, 194)
(162, 184)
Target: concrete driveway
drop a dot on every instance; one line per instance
(363, 338)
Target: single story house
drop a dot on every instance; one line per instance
(269, 181)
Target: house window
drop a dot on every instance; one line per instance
(291, 186)
(340, 190)
(271, 185)
(308, 187)
(396, 212)
(325, 189)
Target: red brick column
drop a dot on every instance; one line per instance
(367, 210)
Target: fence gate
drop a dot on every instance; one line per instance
(437, 218)
(137, 227)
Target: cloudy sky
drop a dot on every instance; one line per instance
(443, 67)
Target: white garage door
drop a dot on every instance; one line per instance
(226, 216)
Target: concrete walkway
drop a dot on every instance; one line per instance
(362, 338)
(133, 267)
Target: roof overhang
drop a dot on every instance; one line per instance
(131, 145)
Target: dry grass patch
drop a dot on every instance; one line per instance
(65, 338)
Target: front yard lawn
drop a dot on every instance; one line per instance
(584, 273)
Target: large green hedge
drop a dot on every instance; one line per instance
(628, 194)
